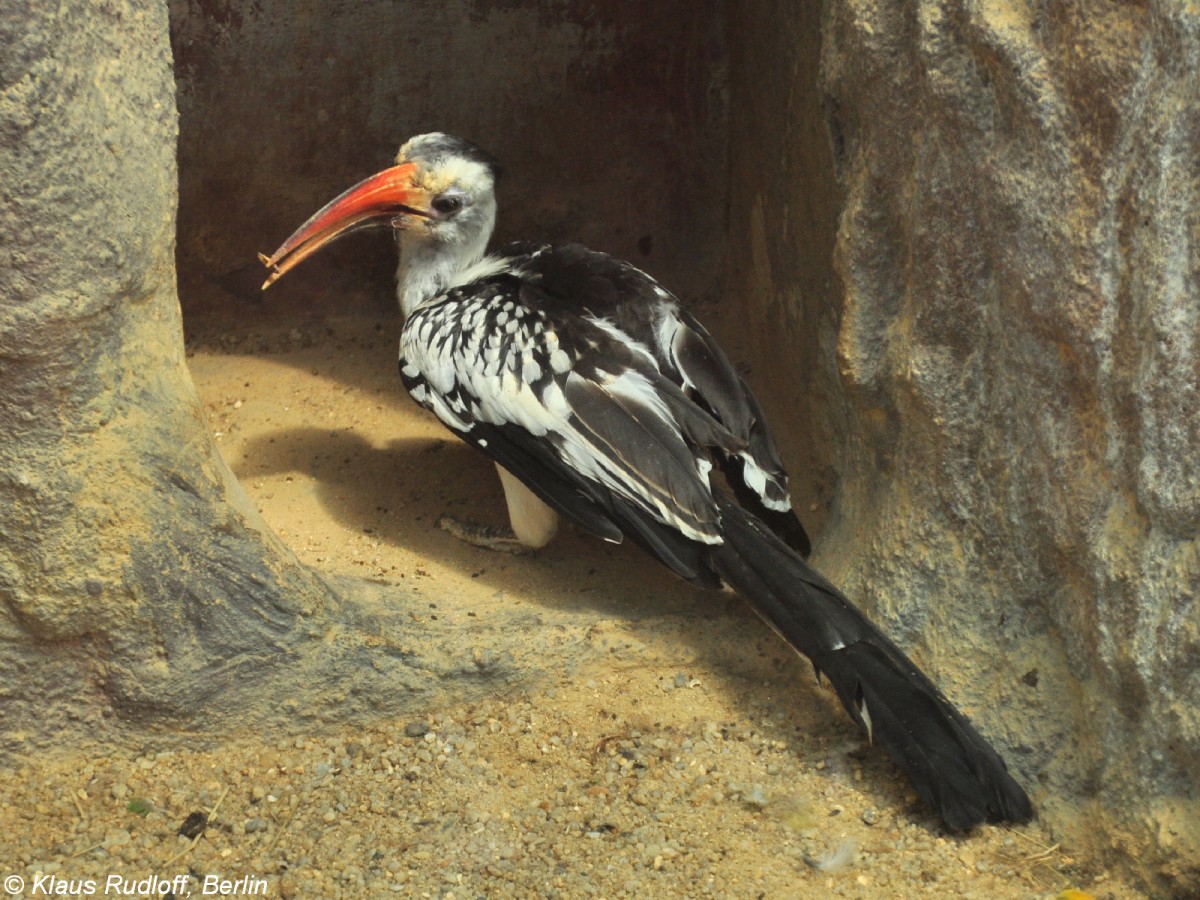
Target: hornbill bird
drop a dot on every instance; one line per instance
(602, 400)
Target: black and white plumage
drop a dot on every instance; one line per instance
(589, 356)
(603, 401)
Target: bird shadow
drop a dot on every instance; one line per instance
(396, 493)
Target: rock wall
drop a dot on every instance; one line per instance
(87, 162)
(781, 293)
(1017, 436)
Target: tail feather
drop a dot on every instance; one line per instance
(953, 768)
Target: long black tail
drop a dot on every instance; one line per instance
(952, 767)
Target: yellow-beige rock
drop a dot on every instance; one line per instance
(1015, 433)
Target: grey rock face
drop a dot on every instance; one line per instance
(88, 210)
(1018, 347)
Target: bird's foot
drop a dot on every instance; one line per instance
(490, 537)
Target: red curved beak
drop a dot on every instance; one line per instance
(385, 198)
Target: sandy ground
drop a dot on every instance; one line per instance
(696, 758)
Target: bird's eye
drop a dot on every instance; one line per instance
(447, 205)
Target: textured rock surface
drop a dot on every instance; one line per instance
(1018, 440)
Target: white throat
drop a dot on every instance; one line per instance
(426, 270)
(429, 266)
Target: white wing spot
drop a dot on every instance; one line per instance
(560, 362)
(531, 371)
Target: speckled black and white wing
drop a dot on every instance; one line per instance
(636, 311)
(589, 423)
